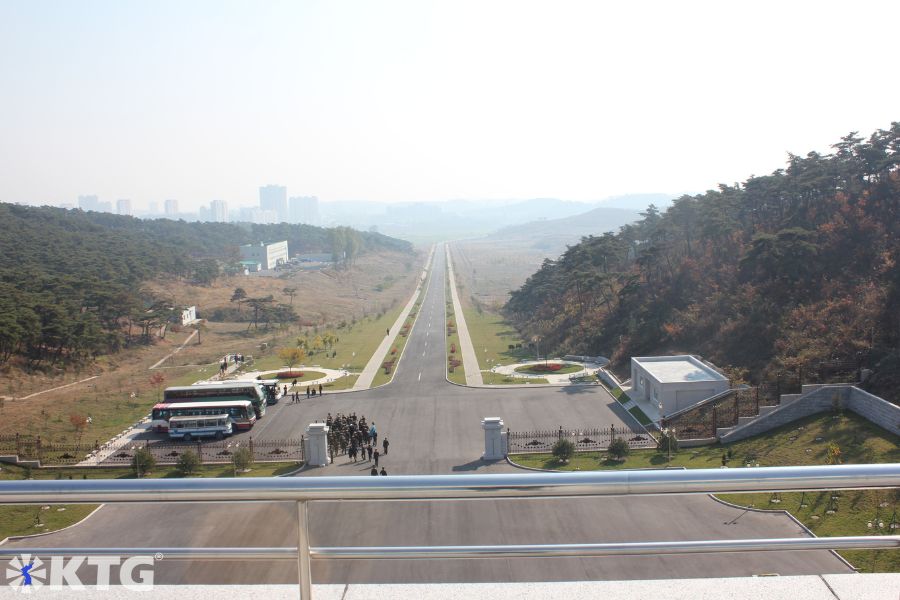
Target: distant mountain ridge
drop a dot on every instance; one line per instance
(463, 218)
(553, 235)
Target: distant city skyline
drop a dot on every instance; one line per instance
(402, 101)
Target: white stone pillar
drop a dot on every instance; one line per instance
(494, 438)
(317, 445)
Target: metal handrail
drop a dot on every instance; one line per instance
(426, 487)
(886, 542)
(434, 487)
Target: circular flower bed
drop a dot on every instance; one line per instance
(554, 368)
(290, 375)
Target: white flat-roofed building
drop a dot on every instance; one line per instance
(267, 255)
(674, 382)
(189, 315)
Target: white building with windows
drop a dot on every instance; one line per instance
(672, 383)
(268, 256)
(188, 315)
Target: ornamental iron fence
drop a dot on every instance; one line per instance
(585, 440)
(27, 447)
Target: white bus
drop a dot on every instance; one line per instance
(216, 392)
(240, 411)
(188, 428)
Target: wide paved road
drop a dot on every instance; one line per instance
(434, 428)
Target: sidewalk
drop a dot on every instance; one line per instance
(368, 373)
(470, 361)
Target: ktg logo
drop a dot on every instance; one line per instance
(27, 575)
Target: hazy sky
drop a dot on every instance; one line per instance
(414, 100)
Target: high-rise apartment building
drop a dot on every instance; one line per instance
(171, 207)
(274, 198)
(218, 210)
(89, 202)
(304, 209)
(123, 206)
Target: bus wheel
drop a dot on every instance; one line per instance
(220, 435)
(187, 437)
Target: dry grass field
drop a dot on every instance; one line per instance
(121, 391)
(487, 271)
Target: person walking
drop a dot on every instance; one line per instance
(320, 389)
(385, 444)
(369, 450)
(383, 472)
(376, 454)
(373, 433)
(374, 472)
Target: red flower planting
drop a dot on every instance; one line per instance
(289, 374)
(546, 368)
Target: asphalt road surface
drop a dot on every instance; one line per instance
(434, 428)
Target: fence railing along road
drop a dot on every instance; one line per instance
(597, 438)
(303, 490)
(164, 451)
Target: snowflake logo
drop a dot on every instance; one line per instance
(25, 574)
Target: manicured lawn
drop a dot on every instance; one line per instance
(542, 369)
(640, 415)
(491, 337)
(500, 379)
(342, 383)
(399, 344)
(458, 374)
(803, 442)
(30, 519)
(21, 520)
(363, 338)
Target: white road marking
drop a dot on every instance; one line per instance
(420, 377)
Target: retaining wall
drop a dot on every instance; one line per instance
(822, 399)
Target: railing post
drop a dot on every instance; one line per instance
(304, 572)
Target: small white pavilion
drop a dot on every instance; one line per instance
(672, 383)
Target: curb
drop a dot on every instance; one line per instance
(790, 516)
(14, 538)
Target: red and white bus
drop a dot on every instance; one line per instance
(241, 412)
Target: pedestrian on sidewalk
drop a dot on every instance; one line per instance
(383, 472)
(385, 445)
(369, 451)
(373, 433)
(376, 454)
(320, 389)
(374, 472)
(307, 391)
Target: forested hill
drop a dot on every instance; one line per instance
(69, 278)
(796, 267)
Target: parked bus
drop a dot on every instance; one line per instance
(241, 412)
(214, 392)
(188, 428)
(273, 390)
(270, 387)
